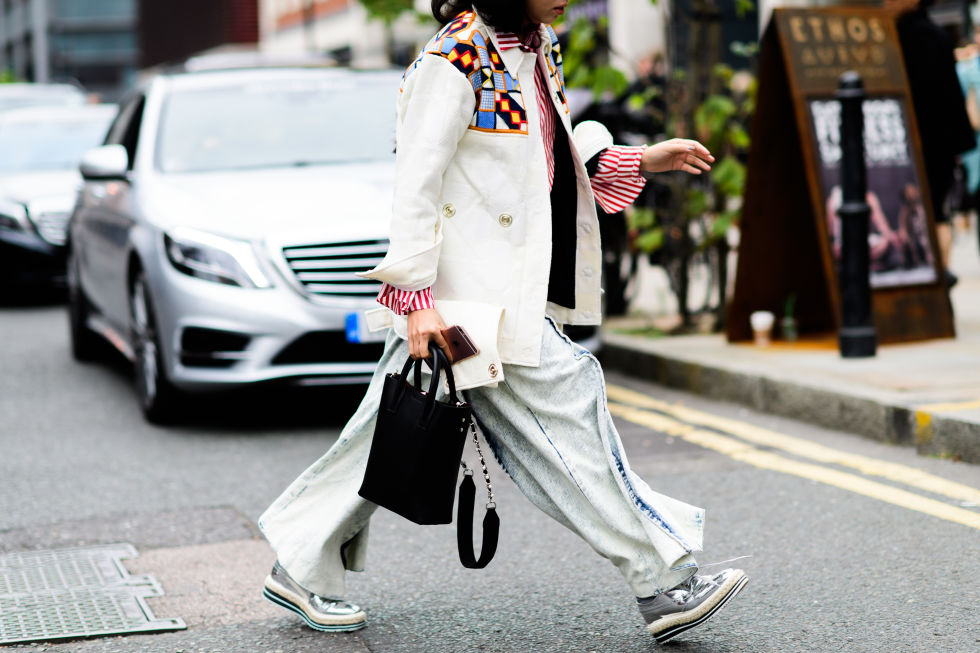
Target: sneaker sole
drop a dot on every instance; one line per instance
(327, 628)
(663, 630)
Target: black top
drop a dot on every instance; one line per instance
(564, 237)
(940, 108)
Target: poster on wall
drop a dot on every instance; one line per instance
(898, 239)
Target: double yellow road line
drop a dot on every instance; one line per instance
(692, 426)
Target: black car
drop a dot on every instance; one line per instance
(39, 180)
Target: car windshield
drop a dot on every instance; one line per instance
(49, 143)
(278, 123)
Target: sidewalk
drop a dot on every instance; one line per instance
(925, 394)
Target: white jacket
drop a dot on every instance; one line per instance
(472, 209)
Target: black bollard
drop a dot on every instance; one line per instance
(857, 337)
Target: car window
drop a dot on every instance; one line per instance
(49, 143)
(280, 122)
(132, 134)
(119, 123)
(125, 128)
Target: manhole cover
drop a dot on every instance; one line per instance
(80, 592)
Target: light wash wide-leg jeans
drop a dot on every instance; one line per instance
(550, 430)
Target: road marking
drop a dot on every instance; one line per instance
(747, 453)
(923, 427)
(804, 448)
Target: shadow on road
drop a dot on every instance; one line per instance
(271, 407)
(258, 408)
(15, 298)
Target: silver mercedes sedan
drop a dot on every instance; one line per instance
(217, 235)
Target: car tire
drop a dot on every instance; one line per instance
(159, 399)
(85, 344)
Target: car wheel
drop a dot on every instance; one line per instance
(85, 345)
(158, 398)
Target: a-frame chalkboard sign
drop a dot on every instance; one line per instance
(790, 240)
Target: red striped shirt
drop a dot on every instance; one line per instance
(509, 41)
(616, 183)
(403, 302)
(547, 112)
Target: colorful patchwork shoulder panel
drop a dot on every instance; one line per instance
(499, 105)
(554, 61)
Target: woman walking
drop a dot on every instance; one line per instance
(494, 227)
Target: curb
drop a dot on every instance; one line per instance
(933, 434)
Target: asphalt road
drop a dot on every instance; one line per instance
(865, 548)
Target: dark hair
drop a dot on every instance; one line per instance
(502, 15)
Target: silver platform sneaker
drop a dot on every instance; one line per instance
(691, 603)
(320, 613)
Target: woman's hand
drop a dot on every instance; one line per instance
(424, 325)
(677, 154)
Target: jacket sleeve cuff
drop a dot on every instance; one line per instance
(403, 302)
(591, 138)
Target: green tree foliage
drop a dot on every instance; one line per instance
(387, 11)
(708, 101)
(7, 77)
(721, 122)
(586, 58)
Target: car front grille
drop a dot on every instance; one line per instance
(329, 269)
(53, 227)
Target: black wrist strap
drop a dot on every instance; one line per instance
(464, 526)
(464, 514)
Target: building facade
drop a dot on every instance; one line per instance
(636, 29)
(172, 30)
(93, 43)
(342, 28)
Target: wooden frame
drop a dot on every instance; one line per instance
(786, 244)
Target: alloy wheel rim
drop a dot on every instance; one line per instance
(146, 348)
(71, 276)
(71, 272)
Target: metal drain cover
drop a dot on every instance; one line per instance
(80, 592)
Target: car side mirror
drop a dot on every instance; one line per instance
(109, 162)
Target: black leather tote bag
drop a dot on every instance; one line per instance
(418, 444)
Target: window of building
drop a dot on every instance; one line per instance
(103, 42)
(95, 9)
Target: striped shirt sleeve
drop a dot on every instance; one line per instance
(403, 302)
(617, 181)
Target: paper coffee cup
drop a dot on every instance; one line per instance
(762, 322)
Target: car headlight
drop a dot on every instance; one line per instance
(13, 216)
(50, 215)
(215, 258)
(53, 226)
